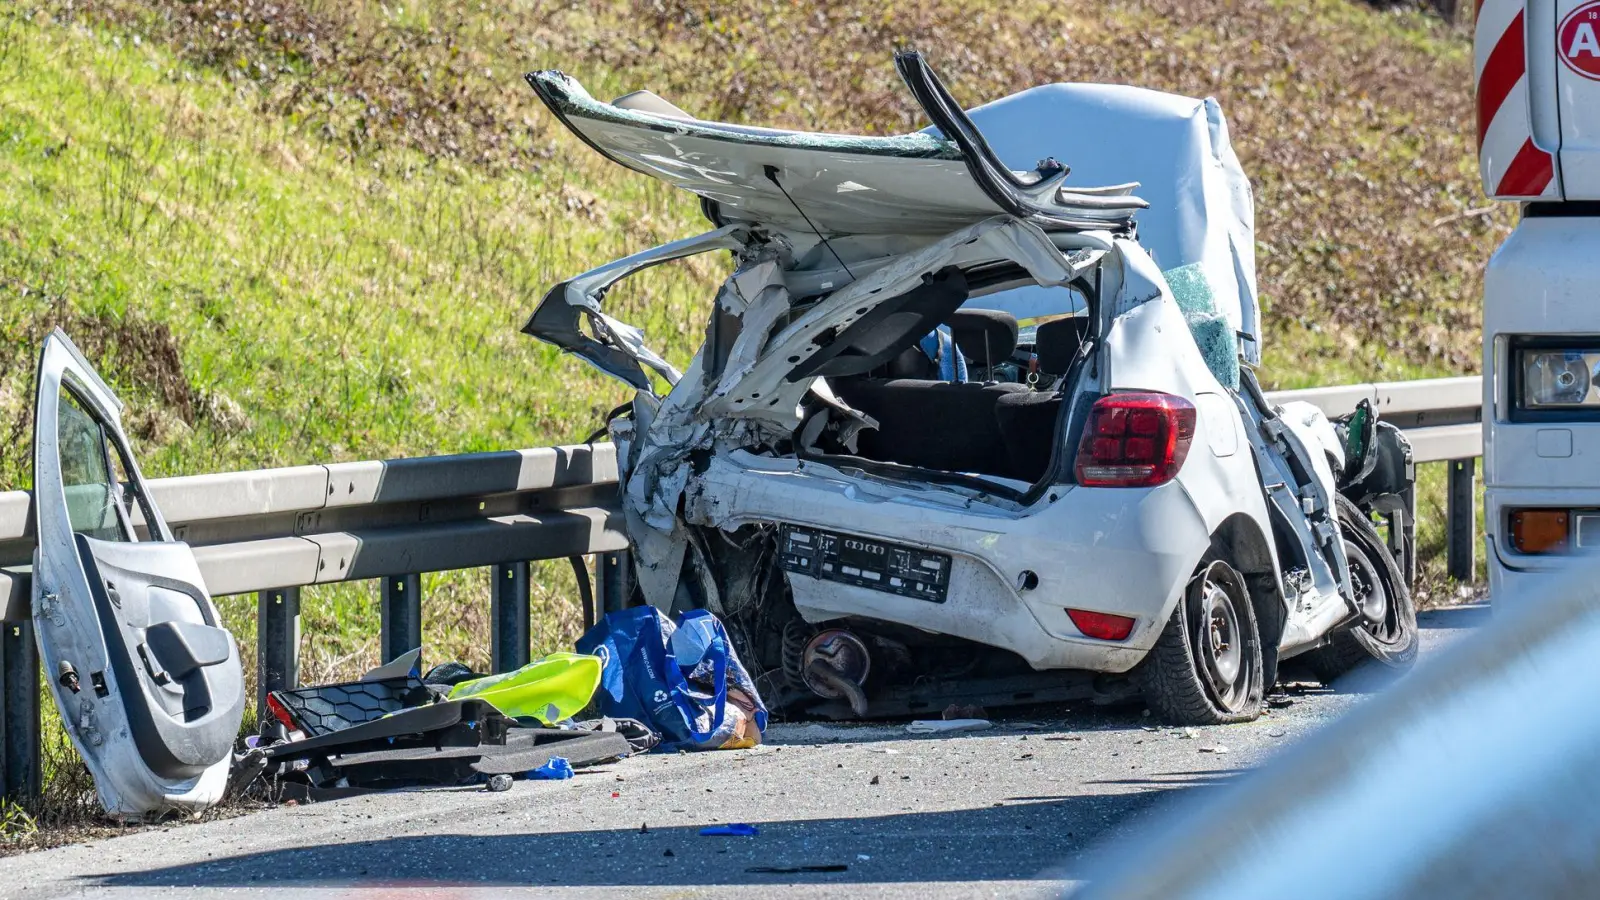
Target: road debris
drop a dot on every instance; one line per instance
(557, 769)
(942, 726)
(395, 727)
(650, 659)
(1217, 749)
(797, 870)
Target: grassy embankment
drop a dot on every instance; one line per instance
(309, 230)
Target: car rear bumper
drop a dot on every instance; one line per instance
(1123, 551)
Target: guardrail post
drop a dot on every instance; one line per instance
(401, 616)
(615, 580)
(19, 712)
(1461, 512)
(277, 644)
(508, 616)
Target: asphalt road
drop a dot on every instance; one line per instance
(1013, 810)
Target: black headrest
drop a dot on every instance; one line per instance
(985, 336)
(1057, 342)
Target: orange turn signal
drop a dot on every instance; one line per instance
(1540, 530)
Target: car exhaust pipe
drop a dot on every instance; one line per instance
(835, 666)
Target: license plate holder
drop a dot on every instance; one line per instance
(864, 562)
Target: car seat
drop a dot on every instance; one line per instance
(1027, 420)
(986, 337)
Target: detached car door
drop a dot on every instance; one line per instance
(148, 682)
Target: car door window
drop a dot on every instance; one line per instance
(93, 492)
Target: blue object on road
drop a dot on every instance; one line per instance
(676, 679)
(733, 829)
(557, 769)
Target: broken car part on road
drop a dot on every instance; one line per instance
(397, 728)
(1105, 505)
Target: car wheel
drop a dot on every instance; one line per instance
(1206, 668)
(1389, 632)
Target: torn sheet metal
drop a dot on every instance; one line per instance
(615, 347)
(756, 391)
(767, 382)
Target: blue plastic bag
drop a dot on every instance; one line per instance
(676, 679)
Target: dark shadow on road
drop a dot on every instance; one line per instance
(1177, 779)
(1075, 718)
(1471, 615)
(1008, 842)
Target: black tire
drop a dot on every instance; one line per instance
(1378, 582)
(1206, 668)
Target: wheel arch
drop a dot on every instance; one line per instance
(1240, 540)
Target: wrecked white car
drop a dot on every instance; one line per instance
(975, 420)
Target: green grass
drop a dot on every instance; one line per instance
(281, 251)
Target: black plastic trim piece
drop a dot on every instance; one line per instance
(1567, 210)
(900, 472)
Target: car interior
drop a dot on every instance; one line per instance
(1000, 421)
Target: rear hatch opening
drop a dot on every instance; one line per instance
(978, 397)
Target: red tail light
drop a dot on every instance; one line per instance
(1105, 626)
(1135, 440)
(279, 713)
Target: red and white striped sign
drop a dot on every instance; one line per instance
(1512, 166)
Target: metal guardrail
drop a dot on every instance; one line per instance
(274, 531)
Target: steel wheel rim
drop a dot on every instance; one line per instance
(1382, 616)
(1221, 646)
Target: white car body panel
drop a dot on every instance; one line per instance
(1540, 282)
(1541, 144)
(137, 767)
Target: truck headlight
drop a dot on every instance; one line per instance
(1557, 378)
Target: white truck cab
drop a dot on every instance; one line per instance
(1538, 115)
